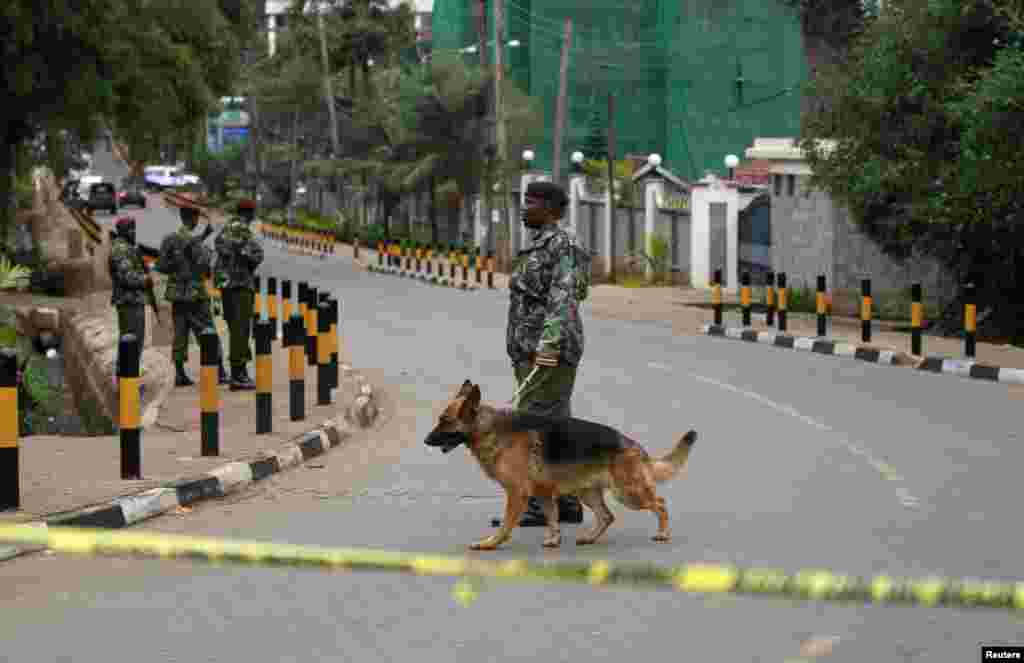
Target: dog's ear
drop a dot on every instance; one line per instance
(470, 404)
(466, 387)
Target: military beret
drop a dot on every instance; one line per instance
(246, 203)
(125, 221)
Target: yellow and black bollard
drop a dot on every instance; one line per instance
(479, 268)
(128, 356)
(323, 355)
(380, 254)
(451, 263)
(782, 302)
(865, 310)
(295, 340)
(716, 296)
(257, 304)
(419, 258)
(333, 335)
(490, 270)
(272, 306)
(970, 320)
(464, 259)
(745, 298)
(264, 378)
(916, 310)
(820, 302)
(209, 398)
(10, 483)
(311, 326)
(769, 316)
(286, 304)
(430, 262)
(303, 310)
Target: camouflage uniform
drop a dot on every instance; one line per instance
(129, 297)
(238, 256)
(186, 263)
(543, 316)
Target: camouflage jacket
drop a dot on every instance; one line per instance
(186, 262)
(543, 312)
(127, 274)
(238, 256)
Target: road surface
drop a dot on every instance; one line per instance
(803, 461)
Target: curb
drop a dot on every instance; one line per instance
(966, 368)
(806, 344)
(128, 510)
(443, 281)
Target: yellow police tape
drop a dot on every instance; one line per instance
(819, 585)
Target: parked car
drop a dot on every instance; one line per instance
(102, 195)
(159, 178)
(133, 192)
(189, 178)
(85, 182)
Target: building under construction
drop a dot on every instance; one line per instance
(694, 80)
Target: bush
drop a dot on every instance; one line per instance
(24, 192)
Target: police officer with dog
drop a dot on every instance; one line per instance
(187, 264)
(239, 254)
(544, 337)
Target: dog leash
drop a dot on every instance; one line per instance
(522, 385)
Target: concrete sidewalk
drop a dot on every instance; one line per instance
(61, 474)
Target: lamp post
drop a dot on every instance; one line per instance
(528, 157)
(577, 162)
(731, 161)
(654, 160)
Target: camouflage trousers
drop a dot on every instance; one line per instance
(131, 319)
(189, 317)
(549, 391)
(238, 312)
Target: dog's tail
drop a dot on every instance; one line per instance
(669, 465)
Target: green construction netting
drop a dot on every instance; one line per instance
(672, 65)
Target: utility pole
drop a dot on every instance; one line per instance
(488, 152)
(332, 112)
(611, 187)
(563, 74)
(499, 119)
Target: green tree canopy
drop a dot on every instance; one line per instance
(924, 113)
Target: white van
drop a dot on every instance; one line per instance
(162, 177)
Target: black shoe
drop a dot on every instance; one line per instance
(534, 515)
(240, 380)
(222, 376)
(181, 379)
(570, 510)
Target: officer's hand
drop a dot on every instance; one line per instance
(546, 359)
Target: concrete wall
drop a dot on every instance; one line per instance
(812, 236)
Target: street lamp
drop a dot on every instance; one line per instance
(731, 161)
(528, 156)
(654, 160)
(577, 162)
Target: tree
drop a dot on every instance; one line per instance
(923, 115)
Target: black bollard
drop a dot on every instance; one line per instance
(10, 482)
(128, 356)
(323, 356)
(264, 379)
(209, 398)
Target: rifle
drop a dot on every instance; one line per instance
(149, 252)
(143, 251)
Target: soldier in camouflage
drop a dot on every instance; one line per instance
(130, 281)
(187, 264)
(239, 254)
(544, 327)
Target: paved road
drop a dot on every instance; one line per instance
(803, 461)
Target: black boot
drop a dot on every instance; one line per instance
(570, 510)
(534, 514)
(222, 375)
(240, 379)
(181, 379)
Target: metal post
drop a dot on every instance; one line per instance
(209, 398)
(128, 364)
(10, 481)
(323, 378)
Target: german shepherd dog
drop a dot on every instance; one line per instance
(544, 457)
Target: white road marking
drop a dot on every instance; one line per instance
(887, 471)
